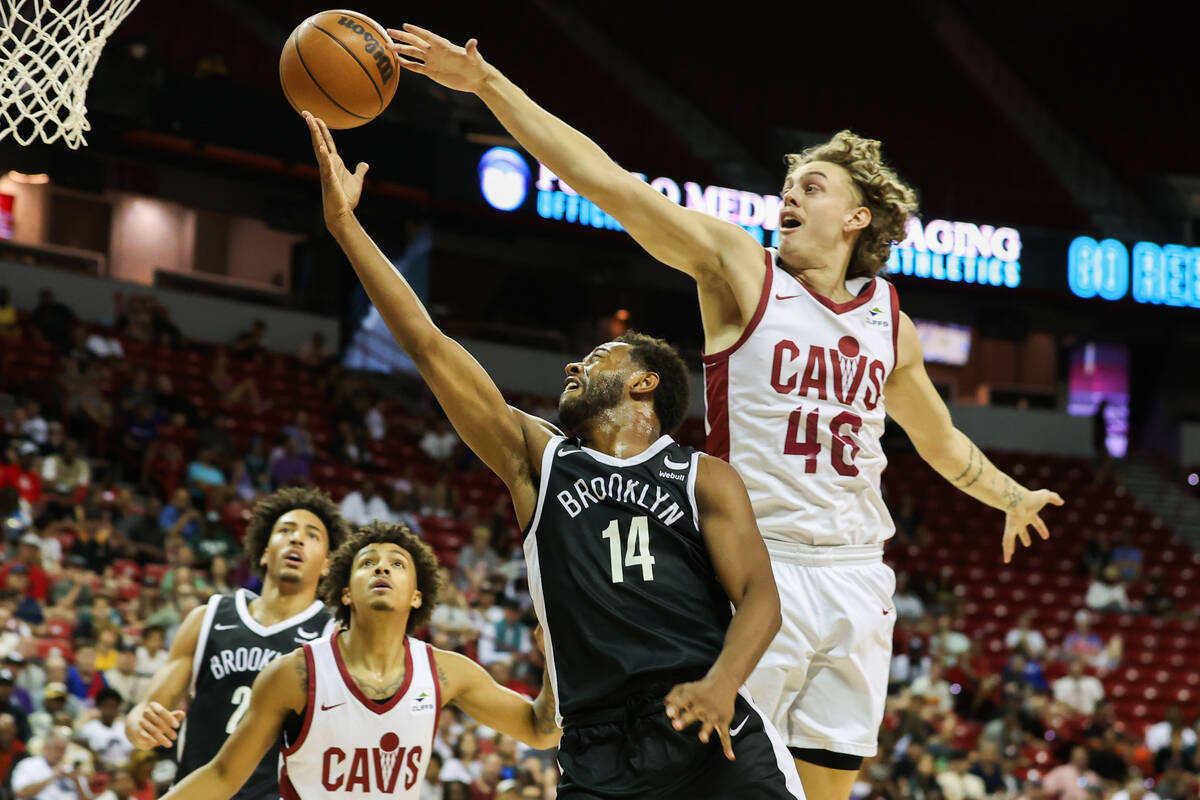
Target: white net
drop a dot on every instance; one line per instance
(48, 52)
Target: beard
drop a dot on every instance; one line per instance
(576, 411)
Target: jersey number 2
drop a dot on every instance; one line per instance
(637, 549)
(241, 704)
(810, 447)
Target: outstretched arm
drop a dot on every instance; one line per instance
(744, 571)
(468, 686)
(507, 440)
(704, 247)
(281, 688)
(154, 721)
(914, 403)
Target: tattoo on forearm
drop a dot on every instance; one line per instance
(543, 706)
(972, 472)
(1012, 494)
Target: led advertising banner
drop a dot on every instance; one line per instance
(943, 250)
(1167, 274)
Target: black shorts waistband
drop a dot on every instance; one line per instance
(643, 704)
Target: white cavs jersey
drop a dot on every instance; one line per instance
(353, 746)
(796, 406)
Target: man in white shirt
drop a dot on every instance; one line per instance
(932, 688)
(1106, 592)
(1078, 690)
(440, 442)
(1158, 735)
(1023, 634)
(105, 735)
(49, 776)
(363, 506)
(959, 784)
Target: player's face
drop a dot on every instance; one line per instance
(298, 550)
(593, 386)
(819, 208)
(382, 578)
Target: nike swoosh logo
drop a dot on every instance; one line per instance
(566, 451)
(735, 731)
(785, 297)
(676, 465)
(887, 611)
(223, 627)
(305, 634)
(335, 705)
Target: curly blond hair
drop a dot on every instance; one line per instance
(890, 200)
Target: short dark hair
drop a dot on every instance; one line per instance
(673, 394)
(108, 693)
(424, 562)
(268, 511)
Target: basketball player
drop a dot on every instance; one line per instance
(358, 710)
(636, 547)
(802, 344)
(221, 647)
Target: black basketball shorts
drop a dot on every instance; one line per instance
(636, 753)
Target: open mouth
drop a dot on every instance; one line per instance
(790, 223)
(380, 583)
(293, 558)
(571, 383)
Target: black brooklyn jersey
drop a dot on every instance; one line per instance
(232, 650)
(620, 576)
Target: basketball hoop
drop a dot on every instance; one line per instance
(48, 55)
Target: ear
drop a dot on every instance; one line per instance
(418, 600)
(858, 219)
(346, 596)
(643, 382)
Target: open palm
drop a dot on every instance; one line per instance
(340, 188)
(459, 68)
(1025, 512)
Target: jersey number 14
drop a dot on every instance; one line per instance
(637, 549)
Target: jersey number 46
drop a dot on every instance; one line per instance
(802, 433)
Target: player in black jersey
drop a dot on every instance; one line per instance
(636, 547)
(222, 646)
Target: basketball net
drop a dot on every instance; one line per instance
(387, 760)
(47, 57)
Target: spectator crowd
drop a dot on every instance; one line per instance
(124, 498)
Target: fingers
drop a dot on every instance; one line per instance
(726, 741)
(360, 171)
(1007, 545)
(409, 51)
(314, 131)
(1042, 530)
(412, 66)
(408, 38)
(472, 47)
(327, 136)
(1023, 533)
(1056, 499)
(428, 36)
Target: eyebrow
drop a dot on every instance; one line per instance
(373, 551)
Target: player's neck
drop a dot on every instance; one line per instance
(371, 647)
(827, 280)
(275, 604)
(623, 431)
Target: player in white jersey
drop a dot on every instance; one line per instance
(799, 360)
(358, 711)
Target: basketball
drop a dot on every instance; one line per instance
(337, 65)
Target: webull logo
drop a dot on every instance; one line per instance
(376, 49)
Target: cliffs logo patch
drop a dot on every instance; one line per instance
(878, 317)
(423, 702)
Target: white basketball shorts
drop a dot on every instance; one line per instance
(823, 681)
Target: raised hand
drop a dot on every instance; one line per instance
(419, 50)
(1023, 511)
(340, 188)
